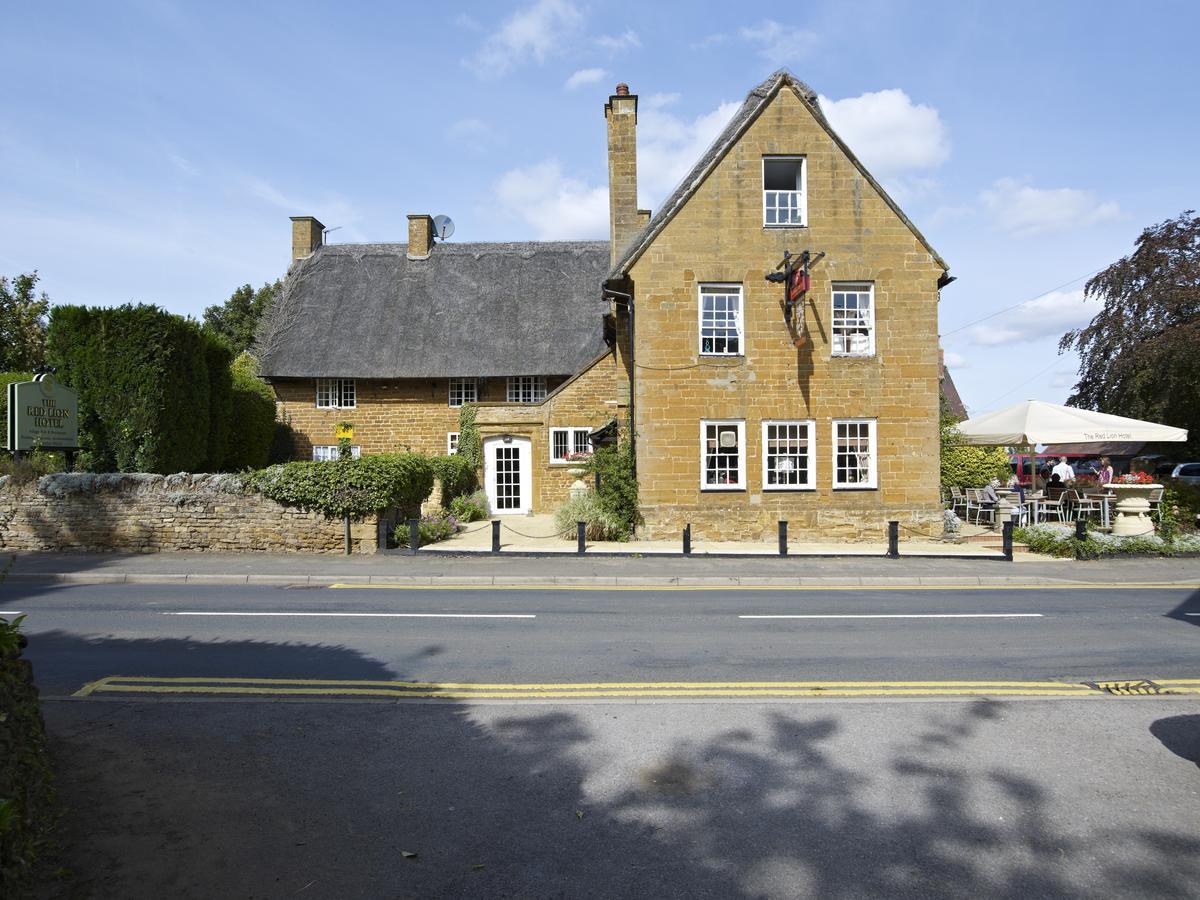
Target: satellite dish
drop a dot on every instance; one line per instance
(442, 227)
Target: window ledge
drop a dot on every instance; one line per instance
(798, 489)
(855, 487)
(768, 227)
(724, 489)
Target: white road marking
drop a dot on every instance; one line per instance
(1192, 614)
(10, 612)
(362, 615)
(906, 616)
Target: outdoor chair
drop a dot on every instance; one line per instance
(1048, 508)
(958, 501)
(1070, 503)
(1089, 505)
(980, 507)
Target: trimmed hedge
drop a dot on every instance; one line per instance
(154, 388)
(27, 804)
(456, 474)
(252, 418)
(349, 487)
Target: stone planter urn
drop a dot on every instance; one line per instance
(1132, 508)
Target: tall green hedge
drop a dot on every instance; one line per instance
(154, 389)
(252, 420)
(26, 786)
(349, 487)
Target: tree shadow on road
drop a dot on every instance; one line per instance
(205, 798)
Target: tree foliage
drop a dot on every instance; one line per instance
(965, 465)
(1138, 356)
(236, 320)
(22, 322)
(154, 388)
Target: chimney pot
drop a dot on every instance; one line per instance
(307, 236)
(622, 90)
(420, 236)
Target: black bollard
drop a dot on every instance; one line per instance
(1080, 537)
(687, 539)
(783, 537)
(580, 537)
(414, 535)
(893, 550)
(495, 535)
(1008, 551)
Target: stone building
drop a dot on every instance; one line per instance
(744, 406)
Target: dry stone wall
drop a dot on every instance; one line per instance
(140, 513)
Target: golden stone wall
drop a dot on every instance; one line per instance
(719, 236)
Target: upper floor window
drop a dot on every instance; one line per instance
(787, 456)
(853, 326)
(335, 393)
(720, 319)
(463, 390)
(566, 443)
(526, 388)
(784, 202)
(854, 453)
(722, 456)
(331, 452)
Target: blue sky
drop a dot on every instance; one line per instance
(152, 151)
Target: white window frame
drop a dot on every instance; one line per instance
(872, 481)
(852, 287)
(810, 434)
(336, 393)
(716, 287)
(801, 193)
(451, 443)
(740, 424)
(329, 452)
(574, 433)
(466, 389)
(519, 386)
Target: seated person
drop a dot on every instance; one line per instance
(1014, 484)
(1055, 488)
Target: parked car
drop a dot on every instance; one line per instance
(1188, 472)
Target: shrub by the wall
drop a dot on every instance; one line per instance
(349, 487)
(456, 474)
(599, 524)
(26, 786)
(154, 389)
(617, 495)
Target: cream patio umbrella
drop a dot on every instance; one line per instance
(1035, 422)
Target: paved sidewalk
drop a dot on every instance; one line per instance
(429, 569)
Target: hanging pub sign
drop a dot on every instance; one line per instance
(42, 414)
(798, 284)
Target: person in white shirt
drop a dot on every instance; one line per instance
(1063, 470)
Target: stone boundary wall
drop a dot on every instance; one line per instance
(140, 513)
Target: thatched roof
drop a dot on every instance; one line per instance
(469, 310)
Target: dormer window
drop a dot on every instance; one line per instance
(784, 202)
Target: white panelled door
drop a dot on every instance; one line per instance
(508, 474)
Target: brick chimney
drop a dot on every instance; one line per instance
(624, 219)
(420, 236)
(306, 236)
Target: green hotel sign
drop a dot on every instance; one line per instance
(42, 413)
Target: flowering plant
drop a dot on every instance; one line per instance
(578, 457)
(1135, 478)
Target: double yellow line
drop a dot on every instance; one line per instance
(674, 690)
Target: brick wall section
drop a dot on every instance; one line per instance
(391, 415)
(719, 237)
(146, 513)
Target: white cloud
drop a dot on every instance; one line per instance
(892, 136)
(584, 76)
(557, 207)
(627, 41)
(956, 360)
(1023, 210)
(536, 32)
(778, 44)
(1049, 316)
(668, 145)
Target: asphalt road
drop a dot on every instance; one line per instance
(82, 633)
(177, 795)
